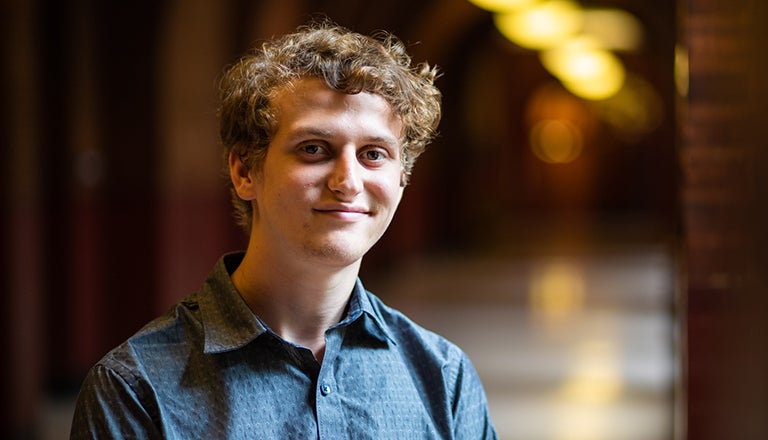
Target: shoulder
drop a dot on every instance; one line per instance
(413, 339)
(159, 345)
(442, 369)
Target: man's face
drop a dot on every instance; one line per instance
(330, 182)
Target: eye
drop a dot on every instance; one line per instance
(374, 155)
(312, 151)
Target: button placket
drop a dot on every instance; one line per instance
(326, 379)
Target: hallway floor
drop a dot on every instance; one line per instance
(569, 347)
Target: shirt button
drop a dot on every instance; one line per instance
(325, 389)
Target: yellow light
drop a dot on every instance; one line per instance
(595, 377)
(585, 69)
(583, 422)
(503, 5)
(614, 28)
(557, 292)
(594, 384)
(541, 26)
(556, 141)
(633, 112)
(562, 59)
(602, 85)
(682, 68)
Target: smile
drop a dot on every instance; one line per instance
(347, 213)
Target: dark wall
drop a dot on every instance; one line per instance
(725, 163)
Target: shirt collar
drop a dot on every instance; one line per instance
(361, 308)
(229, 323)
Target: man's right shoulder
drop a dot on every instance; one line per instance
(163, 343)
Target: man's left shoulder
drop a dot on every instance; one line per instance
(410, 335)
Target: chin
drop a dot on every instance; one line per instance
(337, 254)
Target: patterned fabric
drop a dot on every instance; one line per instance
(210, 369)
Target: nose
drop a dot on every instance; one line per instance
(346, 176)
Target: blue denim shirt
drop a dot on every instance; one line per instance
(210, 369)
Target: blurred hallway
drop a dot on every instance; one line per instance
(570, 346)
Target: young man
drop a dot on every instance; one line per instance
(321, 129)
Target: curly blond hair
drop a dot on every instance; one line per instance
(348, 62)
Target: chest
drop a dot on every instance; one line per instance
(273, 391)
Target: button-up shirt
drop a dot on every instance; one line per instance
(211, 369)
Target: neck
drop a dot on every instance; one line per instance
(297, 302)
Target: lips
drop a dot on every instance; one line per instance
(349, 212)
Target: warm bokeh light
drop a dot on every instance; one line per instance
(503, 5)
(615, 29)
(558, 60)
(541, 26)
(559, 124)
(594, 383)
(583, 422)
(551, 100)
(595, 376)
(682, 69)
(606, 82)
(637, 109)
(557, 292)
(556, 141)
(585, 69)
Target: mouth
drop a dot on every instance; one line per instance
(343, 212)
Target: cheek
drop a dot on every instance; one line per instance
(292, 183)
(389, 193)
(397, 192)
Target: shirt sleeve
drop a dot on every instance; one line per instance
(472, 418)
(108, 407)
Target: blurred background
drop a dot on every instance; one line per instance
(588, 226)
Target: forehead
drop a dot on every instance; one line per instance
(310, 94)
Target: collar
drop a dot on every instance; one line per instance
(361, 308)
(229, 324)
(227, 320)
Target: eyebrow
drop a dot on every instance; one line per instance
(302, 132)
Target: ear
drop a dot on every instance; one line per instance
(243, 179)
